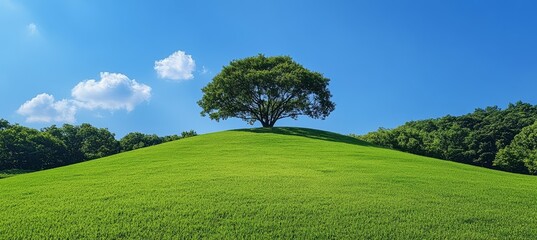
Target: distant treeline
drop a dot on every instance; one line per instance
(30, 149)
(491, 137)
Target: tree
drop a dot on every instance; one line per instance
(135, 140)
(97, 142)
(266, 89)
(3, 124)
(29, 149)
(479, 138)
(26, 148)
(521, 155)
(170, 138)
(187, 134)
(69, 135)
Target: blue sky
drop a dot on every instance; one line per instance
(389, 62)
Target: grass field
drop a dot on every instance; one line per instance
(13, 172)
(280, 183)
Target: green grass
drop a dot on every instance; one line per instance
(12, 172)
(259, 183)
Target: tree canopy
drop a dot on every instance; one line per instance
(266, 89)
(521, 154)
(30, 149)
(482, 138)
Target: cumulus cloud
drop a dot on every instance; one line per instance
(44, 108)
(113, 91)
(32, 29)
(178, 66)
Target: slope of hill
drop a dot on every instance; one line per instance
(258, 183)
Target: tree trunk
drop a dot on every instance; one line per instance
(267, 124)
(270, 123)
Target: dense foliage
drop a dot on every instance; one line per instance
(84, 142)
(521, 154)
(25, 148)
(30, 149)
(137, 140)
(474, 138)
(266, 89)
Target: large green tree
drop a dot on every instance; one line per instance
(97, 142)
(85, 142)
(69, 135)
(266, 89)
(26, 148)
(521, 154)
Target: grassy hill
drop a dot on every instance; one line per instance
(258, 183)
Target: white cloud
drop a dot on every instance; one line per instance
(114, 91)
(43, 108)
(178, 66)
(32, 29)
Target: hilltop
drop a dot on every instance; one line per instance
(268, 183)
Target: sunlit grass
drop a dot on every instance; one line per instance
(12, 172)
(262, 183)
